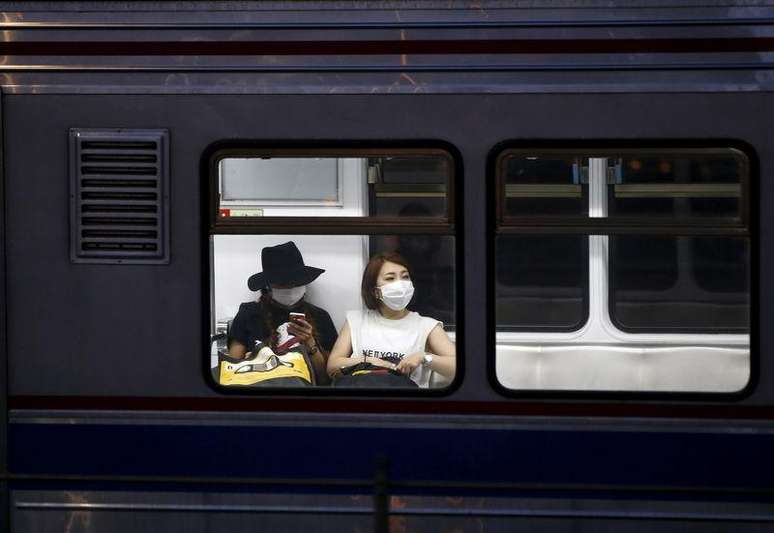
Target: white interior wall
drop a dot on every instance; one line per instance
(237, 257)
(337, 290)
(354, 201)
(275, 180)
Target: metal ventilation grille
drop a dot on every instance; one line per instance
(119, 189)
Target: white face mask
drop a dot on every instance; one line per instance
(397, 294)
(288, 297)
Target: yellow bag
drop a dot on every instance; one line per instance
(265, 366)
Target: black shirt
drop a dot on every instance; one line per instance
(249, 324)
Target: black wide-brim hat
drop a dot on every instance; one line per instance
(283, 265)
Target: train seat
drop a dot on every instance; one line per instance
(616, 368)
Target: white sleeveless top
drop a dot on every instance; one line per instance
(376, 336)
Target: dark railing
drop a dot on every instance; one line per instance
(383, 490)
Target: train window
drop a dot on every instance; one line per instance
(686, 284)
(545, 184)
(402, 186)
(309, 245)
(280, 181)
(644, 286)
(531, 271)
(705, 183)
(541, 282)
(289, 183)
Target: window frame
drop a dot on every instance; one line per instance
(743, 226)
(348, 225)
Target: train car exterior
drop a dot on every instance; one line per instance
(581, 188)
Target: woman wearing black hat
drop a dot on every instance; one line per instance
(283, 285)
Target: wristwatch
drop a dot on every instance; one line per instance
(427, 360)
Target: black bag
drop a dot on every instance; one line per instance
(366, 375)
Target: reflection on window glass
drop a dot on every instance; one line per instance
(541, 281)
(397, 170)
(721, 265)
(679, 283)
(282, 301)
(678, 186)
(272, 184)
(543, 185)
(643, 263)
(408, 187)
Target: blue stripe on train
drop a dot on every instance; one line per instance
(414, 454)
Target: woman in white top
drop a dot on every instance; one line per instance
(387, 334)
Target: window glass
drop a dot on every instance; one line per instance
(283, 183)
(253, 320)
(721, 265)
(280, 180)
(689, 284)
(541, 281)
(408, 186)
(642, 286)
(643, 263)
(542, 184)
(308, 245)
(706, 185)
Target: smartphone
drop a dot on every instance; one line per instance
(297, 316)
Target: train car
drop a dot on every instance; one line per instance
(578, 191)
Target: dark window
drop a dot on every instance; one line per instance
(679, 284)
(679, 186)
(543, 185)
(643, 263)
(541, 281)
(408, 187)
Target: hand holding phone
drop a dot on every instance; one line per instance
(302, 329)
